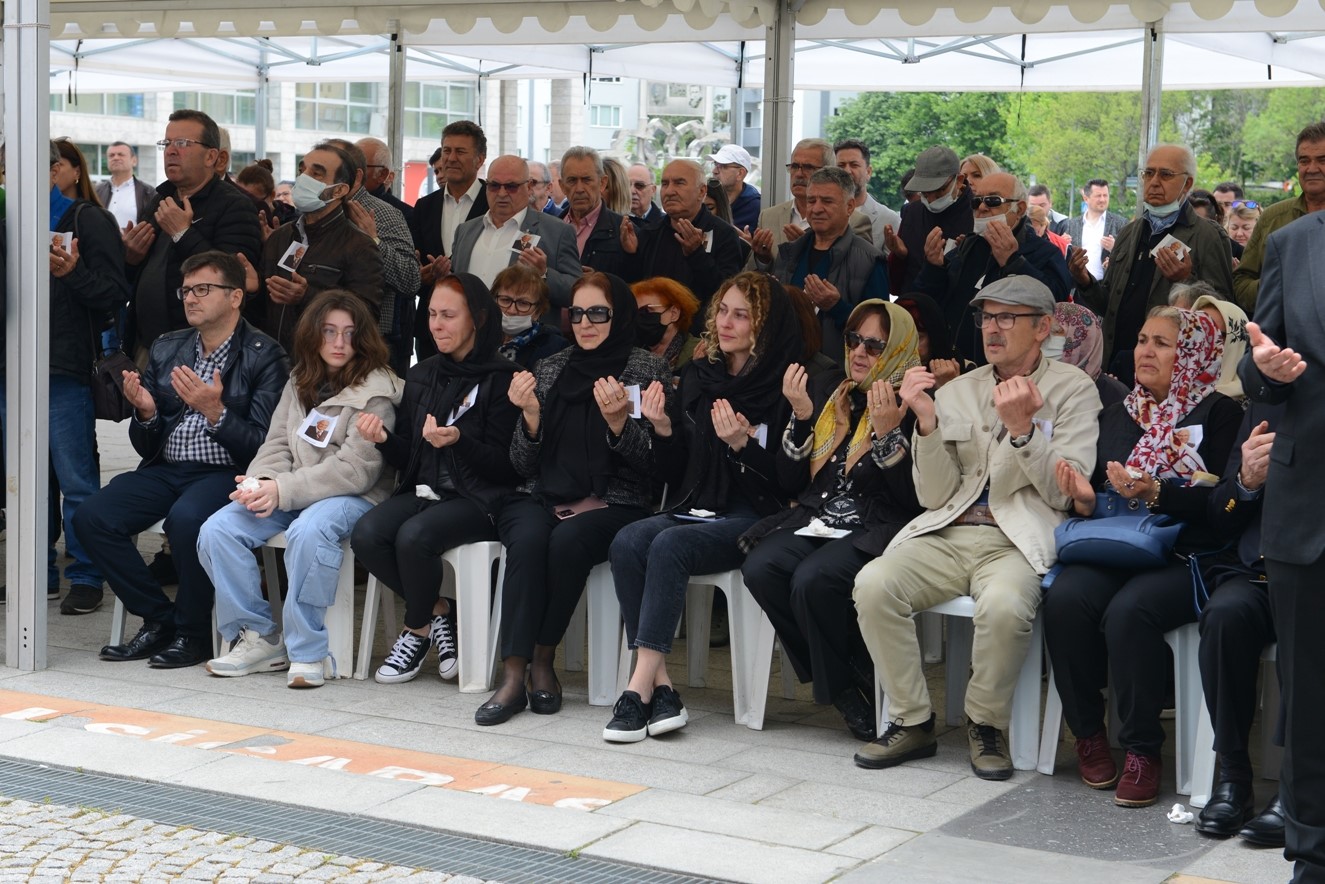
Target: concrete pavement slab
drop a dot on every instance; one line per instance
(65, 744)
(753, 788)
(875, 806)
(871, 842)
(904, 779)
(623, 762)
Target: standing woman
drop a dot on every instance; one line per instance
(846, 452)
(70, 174)
(731, 411)
(1106, 624)
(451, 438)
(590, 465)
(315, 475)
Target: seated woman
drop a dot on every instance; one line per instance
(1231, 320)
(522, 296)
(313, 478)
(666, 310)
(450, 441)
(1077, 339)
(731, 412)
(1160, 447)
(937, 352)
(590, 464)
(845, 449)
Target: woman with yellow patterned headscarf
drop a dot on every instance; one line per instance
(847, 451)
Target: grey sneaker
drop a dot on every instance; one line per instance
(898, 744)
(250, 653)
(989, 752)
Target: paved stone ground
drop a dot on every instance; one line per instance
(57, 843)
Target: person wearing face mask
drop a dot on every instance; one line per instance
(944, 204)
(521, 294)
(1139, 274)
(666, 309)
(1075, 338)
(320, 250)
(1004, 245)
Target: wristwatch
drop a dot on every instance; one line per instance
(1021, 441)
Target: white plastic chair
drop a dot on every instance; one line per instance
(339, 619)
(468, 580)
(1203, 767)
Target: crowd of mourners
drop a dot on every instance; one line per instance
(867, 412)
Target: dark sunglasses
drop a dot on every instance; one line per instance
(873, 346)
(596, 315)
(508, 186)
(992, 202)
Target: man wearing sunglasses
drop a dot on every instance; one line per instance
(644, 212)
(1003, 244)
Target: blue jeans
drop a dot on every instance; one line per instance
(652, 562)
(312, 562)
(73, 458)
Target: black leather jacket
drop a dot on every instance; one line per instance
(252, 379)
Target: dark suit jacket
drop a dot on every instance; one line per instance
(1290, 309)
(385, 195)
(702, 272)
(652, 218)
(1113, 222)
(143, 194)
(602, 250)
(425, 224)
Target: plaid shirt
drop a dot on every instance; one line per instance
(191, 440)
(400, 268)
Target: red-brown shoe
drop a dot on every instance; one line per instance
(1095, 763)
(1139, 785)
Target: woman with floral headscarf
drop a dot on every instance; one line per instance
(852, 467)
(1163, 447)
(1077, 339)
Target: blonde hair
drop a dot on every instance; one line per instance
(758, 290)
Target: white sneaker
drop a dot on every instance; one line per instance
(308, 675)
(250, 653)
(442, 632)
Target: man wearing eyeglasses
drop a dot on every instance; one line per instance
(1140, 273)
(644, 212)
(540, 185)
(485, 246)
(597, 228)
(984, 455)
(379, 172)
(731, 164)
(194, 212)
(202, 408)
(1003, 244)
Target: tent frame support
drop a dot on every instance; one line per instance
(1152, 85)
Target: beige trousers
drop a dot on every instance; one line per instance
(917, 574)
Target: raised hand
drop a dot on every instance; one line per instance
(934, 242)
(916, 384)
(371, 427)
(893, 241)
(730, 425)
(885, 412)
(1175, 269)
(761, 243)
(944, 370)
(613, 402)
(629, 238)
(438, 437)
(522, 396)
(193, 391)
(1002, 243)
(1076, 265)
(63, 262)
(137, 395)
(287, 291)
(1075, 486)
(174, 219)
(653, 405)
(1275, 362)
(795, 383)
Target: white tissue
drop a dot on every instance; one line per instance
(1181, 815)
(702, 514)
(250, 483)
(425, 492)
(818, 527)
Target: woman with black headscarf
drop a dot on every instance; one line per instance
(451, 443)
(937, 351)
(732, 411)
(594, 425)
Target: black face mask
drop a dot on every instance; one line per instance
(649, 329)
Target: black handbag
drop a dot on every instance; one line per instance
(108, 402)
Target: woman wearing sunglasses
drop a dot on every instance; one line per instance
(845, 452)
(731, 411)
(594, 426)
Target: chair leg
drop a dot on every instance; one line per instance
(699, 617)
(930, 628)
(1203, 765)
(751, 634)
(369, 627)
(788, 677)
(961, 633)
(1026, 704)
(1053, 728)
(340, 617)
(1187, 696)
(118, 618)
(606, 659)
(1271, 755)
(573, 644)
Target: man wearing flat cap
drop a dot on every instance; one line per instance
(983, 456)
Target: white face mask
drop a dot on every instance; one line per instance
(1053, 347)
(982, 224)
(942, 202)
(1165, 210)
(514, 325)
(307, 194)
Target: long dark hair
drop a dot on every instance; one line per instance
(312, 377)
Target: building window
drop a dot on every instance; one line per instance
(226, 108)
(337, 107)
(431, 107)
(605, 115)
(116, 104)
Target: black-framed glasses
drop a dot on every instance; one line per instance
(180, 143)
(873, 346)
(377, 166)
(796, 168)
(202, 289)
(508, 186)
(331, 335)
(519, 307)
(1244, 204)
(596, 315)
(1005, 321)
(992, 202)
(534, 182)
(1163, 174)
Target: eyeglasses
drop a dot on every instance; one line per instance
(1164, 174)
(508, 186)
(331, 335)
(521, 308)
(797, 168)
(180, 143)
(656, 309)
(640, 185)
(717, 167)
(202, 289)
(873, 346)
(1005, 321)
(1244, 204)
(534, 182)
(376, 166)
(992, 202)
(596, 315)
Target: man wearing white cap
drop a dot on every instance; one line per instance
(730, 166)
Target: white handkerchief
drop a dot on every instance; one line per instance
(760, 435)
(425, 492)
(708, 240)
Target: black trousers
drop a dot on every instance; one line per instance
(1104, 625)
(185, 495)
(1235, 628)
(401, 541)
(547, 562)
(1297, 599)
(804, 585)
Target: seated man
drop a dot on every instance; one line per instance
(984, 456)
(203, 406)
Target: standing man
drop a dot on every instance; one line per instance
(540, 185)
(554, 191)
(379, 172)
(597, 228)
(944, 204)
(1287, 364)
(731, 164)
(1039, 195)
(643, 210)
(1096, 230)
(853, 155)
(124, 195)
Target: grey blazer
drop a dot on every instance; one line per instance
(1113, 222)
(557, 239)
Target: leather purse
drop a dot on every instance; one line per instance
(108, 402)
(1121, 534)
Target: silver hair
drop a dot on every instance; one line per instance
(545, 176)
(833, 175)
(830, 156)
(1188, 158)
(580, 152)
(694, 167)
(1184, 294)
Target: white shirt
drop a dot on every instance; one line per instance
(124, 203)
(456, 212)
(492, 252)
(1091, 232)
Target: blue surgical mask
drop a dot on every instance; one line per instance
(307, 194)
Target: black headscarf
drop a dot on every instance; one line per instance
(755, 393)
(576, 460)
(455, 379)
(930, 319)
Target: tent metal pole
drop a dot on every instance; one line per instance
(395, 114)
(261, 97)
(27, 112)
(1152, 86)
(779, 52)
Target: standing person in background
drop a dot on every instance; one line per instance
(124, 194)
(944, 203)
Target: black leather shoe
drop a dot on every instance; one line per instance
(500, 713)
(1230, 806)
(185, 650)
(857, 714)
(545, 702)
(151, 638)
(1266, 829)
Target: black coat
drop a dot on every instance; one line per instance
(425, 226)
(602, 250)
(659, 254)
(90, 294)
